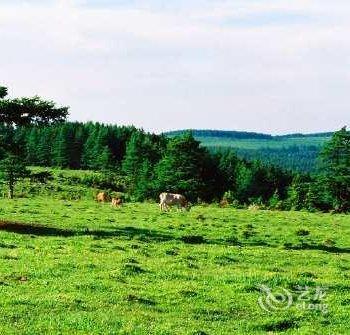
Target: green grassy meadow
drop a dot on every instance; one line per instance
(78, 267)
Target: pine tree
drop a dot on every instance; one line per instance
(61, 153)
(182, 167)
(144, 188)
(88, 155)
(134, 158)
(335, 176)
(244, 181)
(105, 159)
(12, 168)
(43, 150)
(227, 165)
(32, 142)
(297, 193)
(275, 201)
(77, 146)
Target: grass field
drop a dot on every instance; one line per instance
(78, 267)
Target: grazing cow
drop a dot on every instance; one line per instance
(170, 199)
(102, 197)
(116, 202)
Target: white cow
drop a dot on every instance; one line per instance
(170, 199)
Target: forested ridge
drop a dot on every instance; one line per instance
(302, 159)
(220, 133)
(296, 152)
(242, 134)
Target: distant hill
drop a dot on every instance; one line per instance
(298, 135)
(232, 134)
(296, 152)
(221, 133)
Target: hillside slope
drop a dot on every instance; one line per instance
(296, 152)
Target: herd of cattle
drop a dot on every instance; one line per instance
(166, 200)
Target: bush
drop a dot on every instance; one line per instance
(275, 203)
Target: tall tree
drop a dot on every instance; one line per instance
(141, 154)
(77, 146)
(144, 187)
(105, 159)
(22, 112)
(335, 159)
(134, 155)
(12, 168)
(32, 143)
(227, 165)
(182, 168)
(44, 146)
(61, 147)
(244, 182)
(30, 111)
(88, 155)
(297, 193)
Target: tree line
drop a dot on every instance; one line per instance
(150, 163)
(34, 132)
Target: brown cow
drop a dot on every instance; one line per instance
(102, 197)
(116, 202)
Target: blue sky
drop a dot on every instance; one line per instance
(257, 65)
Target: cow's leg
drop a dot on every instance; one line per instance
(163, 206)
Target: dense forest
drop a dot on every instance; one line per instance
(34, 132)
(179, 163)
(302, 159)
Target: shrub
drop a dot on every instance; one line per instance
(229, 197)
(275, 202)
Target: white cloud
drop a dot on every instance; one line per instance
(257, 65)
